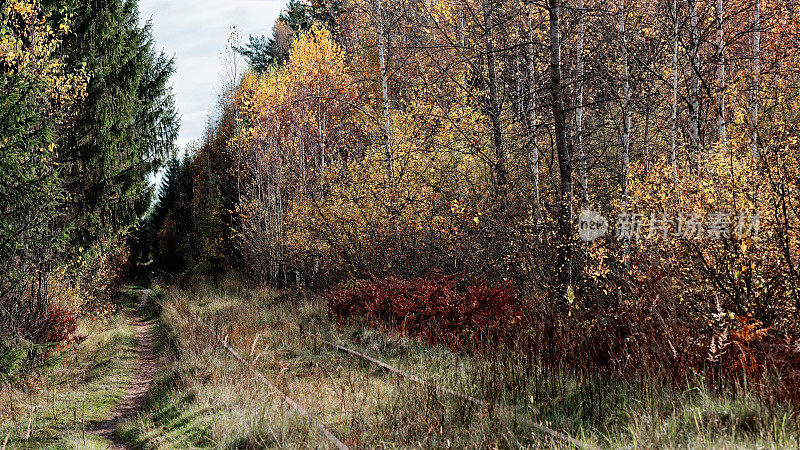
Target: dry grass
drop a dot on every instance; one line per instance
(207, 399)
(56, 406)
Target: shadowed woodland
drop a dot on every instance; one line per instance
(427, 168)
(391, 152)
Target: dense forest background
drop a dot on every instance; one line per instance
(442, 153)
(429, 165)
(86, 114)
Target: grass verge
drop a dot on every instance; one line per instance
(207, 399)
(57, 406)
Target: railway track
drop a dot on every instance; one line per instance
(292, 404)
(331, 437)
(416, 379)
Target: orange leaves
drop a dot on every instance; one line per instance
(294, 108)
(752, 273)
(301, 120)
(783, 28)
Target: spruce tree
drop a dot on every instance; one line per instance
(298, 16)
(171, 219)
(128, 122)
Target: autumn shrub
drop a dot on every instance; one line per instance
(58, 326)
(763, 358)
(41, 305)
(438, 308)
(723, 306)
(90, 282)
(655, 328)
(34, 322)
(652, 334)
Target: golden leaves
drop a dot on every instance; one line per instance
(32, 51)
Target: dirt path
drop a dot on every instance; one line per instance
(134, 399)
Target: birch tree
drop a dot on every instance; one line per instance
(494, 104)
(562, 150)
(694, 89)
(674, 118)
(720, 56)
(756, 79)
(626, 100)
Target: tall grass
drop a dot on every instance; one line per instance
(207, 399)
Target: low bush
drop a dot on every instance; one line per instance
(653, 336)
(32, 323)
(438, 308)
(59, 325)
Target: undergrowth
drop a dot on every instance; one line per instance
(57, 405)
(207, 399)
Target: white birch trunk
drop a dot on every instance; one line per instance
(382, 42)
(720, 44)
(756, 68)
(626, 105)
(694, 100)
(531, 114)
(674, 129)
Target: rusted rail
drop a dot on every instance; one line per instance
(416, 379)
(293, 404)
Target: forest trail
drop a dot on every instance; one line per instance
(134, 398)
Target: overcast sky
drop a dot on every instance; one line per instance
(195, 32)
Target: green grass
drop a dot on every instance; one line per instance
(78, 388)
(171, 417)
(207, 399)
(605, 410)
(201, 398)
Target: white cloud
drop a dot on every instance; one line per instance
(195, 32)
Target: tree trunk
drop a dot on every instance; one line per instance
(562, 150)
(674, 129)
(626, 103)
(494, 107)
(756, 68)
(579, 107)
(694, 94)
(382, 42)
(720, 44)
(394, 212)
(531, 116)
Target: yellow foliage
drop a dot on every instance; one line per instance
(29, 49)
